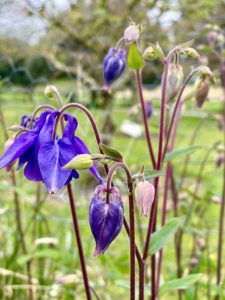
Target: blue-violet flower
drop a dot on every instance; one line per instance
(44, 156)
(114, 64)
(105, 219)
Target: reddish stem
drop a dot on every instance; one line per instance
(79, 244)
(145, 119)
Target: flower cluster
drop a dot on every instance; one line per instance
(44, 155)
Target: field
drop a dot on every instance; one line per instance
(54, 263)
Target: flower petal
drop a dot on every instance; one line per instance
(18, 148)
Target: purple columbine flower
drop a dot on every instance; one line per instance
(106, 219)
(44, 156)
(114, 64)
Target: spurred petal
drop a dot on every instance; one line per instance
(50, 159)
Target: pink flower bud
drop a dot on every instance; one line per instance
(145, 196)
(131, 34)
(175, 80)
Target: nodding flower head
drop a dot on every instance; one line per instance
(105, 219)
(113, 66)
(44, 156)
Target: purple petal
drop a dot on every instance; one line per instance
(18, 148)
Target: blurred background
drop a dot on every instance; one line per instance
(64, 42)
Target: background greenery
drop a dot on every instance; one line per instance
(69, 55)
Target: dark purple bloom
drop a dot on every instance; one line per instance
(114, 64)
(105, 219)
(44, 156)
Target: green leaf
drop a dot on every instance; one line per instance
(135, 60)
(111, 152)
(181, 283)
(177, 153)
(161, 237)
(184, 45)
(150, 174)
(43, 253)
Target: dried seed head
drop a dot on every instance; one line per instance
(202, 91)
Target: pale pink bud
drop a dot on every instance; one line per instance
(201, 92)
(131, 34)
(145, 196)
(175, 80)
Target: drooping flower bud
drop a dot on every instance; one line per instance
(79, 162)
(131, 34)
(105, 219)
(202, 91)
(113, 66)
(50, 91)
(150, 53)
(145, 196)
(175, 80)
(148, 109)
(190, 53)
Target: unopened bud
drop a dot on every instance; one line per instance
(79, 162)
(145, 196)
(206, 73)
(131, 34)
(175, 80)
(150, 53)
(202, 91)
(190, 53)
(114, 65)
(148, 109)
(106, 219)
(212, 37)
(50, 91)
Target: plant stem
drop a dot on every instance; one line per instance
(165, 195)
(222, 208)
(131, 218)
(79, 243)
(145, 119)
(175, 110)
(158, 166)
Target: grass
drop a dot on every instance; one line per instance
(45, 215)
